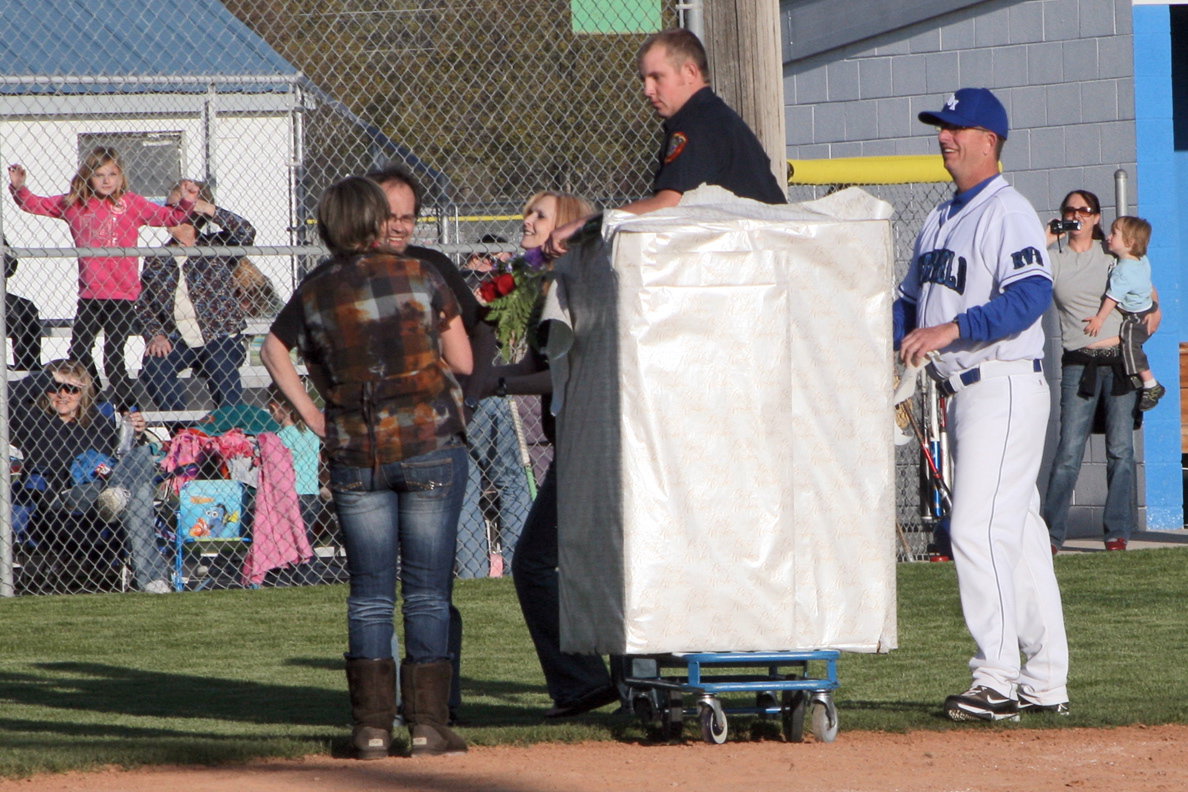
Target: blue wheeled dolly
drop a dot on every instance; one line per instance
(785, 690)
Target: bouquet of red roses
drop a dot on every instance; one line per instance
(512, 296)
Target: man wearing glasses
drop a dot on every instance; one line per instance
(975, 292)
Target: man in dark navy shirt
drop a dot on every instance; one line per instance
(705, 142)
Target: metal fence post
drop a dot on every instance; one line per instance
(1121, 198)
(7, 567)
(272, 103)
(693, 17)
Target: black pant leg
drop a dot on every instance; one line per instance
(24, 328)
(119, 322)
(87, 323)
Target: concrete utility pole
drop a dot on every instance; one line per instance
(742, 39)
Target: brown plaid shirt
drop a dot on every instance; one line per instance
(369, 328)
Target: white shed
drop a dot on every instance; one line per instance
(180, 87)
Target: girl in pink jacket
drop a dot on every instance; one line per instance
(101, 212)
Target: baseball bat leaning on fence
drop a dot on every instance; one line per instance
(903, 394)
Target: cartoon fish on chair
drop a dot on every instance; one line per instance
(212, 520)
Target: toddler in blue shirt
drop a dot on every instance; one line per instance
(1131, 292)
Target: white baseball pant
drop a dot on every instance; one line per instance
(1006, 580)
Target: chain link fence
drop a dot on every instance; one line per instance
(265, 103)
(915, 512)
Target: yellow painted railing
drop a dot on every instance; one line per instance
(869, 170)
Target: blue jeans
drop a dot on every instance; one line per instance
(217, 363)
(407, 515)
(567, 676)
(139, 520)
(1076, 422)
(495, 453)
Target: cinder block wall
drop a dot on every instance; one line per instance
(1063, 68)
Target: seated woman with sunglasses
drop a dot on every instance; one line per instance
(1091, 371)
(54, 421)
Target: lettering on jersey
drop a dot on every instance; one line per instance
(1026, 257)
(676, 144)
(943, 267)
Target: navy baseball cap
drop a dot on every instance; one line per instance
(971, 107)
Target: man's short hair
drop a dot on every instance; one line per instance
(400, 175)
(682, 47)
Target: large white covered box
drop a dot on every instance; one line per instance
(725, 456)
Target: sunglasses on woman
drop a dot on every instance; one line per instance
(63, 387)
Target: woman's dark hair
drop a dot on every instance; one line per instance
(352, 215)
(1093, 203)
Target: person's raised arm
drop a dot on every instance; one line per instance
(275, 357)
(557, 244)
(663, 199)
(27, 201)
(16, 176)
(160, 216)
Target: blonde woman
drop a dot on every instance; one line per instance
(491, 434)
(54, 420)
(576, 683)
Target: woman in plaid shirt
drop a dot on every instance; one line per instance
(382, 338)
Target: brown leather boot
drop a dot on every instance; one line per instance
(425, 691)
(373, 704)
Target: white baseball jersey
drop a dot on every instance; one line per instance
(965, 256)
(967, 259)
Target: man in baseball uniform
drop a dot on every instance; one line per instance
(978, 283)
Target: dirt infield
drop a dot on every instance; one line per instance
(1130, 759)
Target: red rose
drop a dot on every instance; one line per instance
(488, 291)
(505, 284)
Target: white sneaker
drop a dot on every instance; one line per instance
(111, 503)
(158, 587)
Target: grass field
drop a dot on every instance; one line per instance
(226, 676)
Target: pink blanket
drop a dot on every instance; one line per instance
(278, 532)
